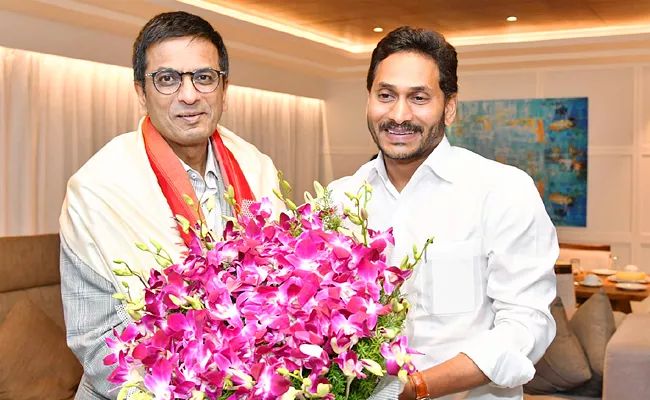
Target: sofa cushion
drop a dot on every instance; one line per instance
(35, 362)
(47, 298)
(594, 325)
(29, 261)
(564, 365)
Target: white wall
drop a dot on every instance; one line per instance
(350, 143)
(618, 210)
(619, 139)
(34, 34)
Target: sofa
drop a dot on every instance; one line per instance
(35, 362)
(626, 359)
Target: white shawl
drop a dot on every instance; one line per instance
(114, 201)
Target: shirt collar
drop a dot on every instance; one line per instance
(210, 164)
(440, 161)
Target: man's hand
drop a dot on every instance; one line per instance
(456, 375)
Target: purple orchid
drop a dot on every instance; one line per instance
(398, 357)
(286, 295)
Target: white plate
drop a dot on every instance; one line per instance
(597, 284)
(631, 286)
(602, 271)
(613, 278)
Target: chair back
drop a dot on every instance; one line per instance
(591, 256)
(565, 286)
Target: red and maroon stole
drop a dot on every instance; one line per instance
(175, 183)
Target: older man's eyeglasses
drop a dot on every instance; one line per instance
(168, 81)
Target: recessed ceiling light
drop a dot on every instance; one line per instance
(511, 19)
(378, 29)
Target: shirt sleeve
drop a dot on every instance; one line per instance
(522, 248)
(90, 316)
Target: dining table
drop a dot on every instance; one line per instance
(620, 298)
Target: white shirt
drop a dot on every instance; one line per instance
(487, 281)
(205, 188)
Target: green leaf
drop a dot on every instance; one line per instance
(176, 300)
(204, 230)
(122, 394)
(291, 205)
(194, 302)
(320, 191)
(138, 306)
(355, 219)
(133, 314)
(142, 246)
(157, 245)
(197, 395)
(210, 204)
(122, 272)
(405, 262)
(119, 296)
(285, 186)
(188, 200)
(162, 261)
(367, 187)
(184, 223)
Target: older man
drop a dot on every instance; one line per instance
(132, 189)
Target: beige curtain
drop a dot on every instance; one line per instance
(55, 113)
(287, 128)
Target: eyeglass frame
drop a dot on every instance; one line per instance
(191, 73)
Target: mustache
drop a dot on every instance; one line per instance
(386, 125)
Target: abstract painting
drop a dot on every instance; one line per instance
(547, 138)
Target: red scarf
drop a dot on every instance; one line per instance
(174, 182)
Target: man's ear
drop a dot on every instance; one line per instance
(142, 97)
(224, 103)
(450, 109)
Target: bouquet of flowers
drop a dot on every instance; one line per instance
(298, 307)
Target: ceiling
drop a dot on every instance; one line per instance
(334, 38)
(353, 21)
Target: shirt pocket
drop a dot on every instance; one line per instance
(448, 282)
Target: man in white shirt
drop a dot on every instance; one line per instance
(481, 295)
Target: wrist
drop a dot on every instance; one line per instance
(408, 393)
(419, 388)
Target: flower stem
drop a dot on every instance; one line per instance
(347, 387)
(136, 274)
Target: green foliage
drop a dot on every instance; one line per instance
(338, 381)
(225, 395)
(330, 216)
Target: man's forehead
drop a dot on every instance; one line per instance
(407, 70)
(183, 50)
